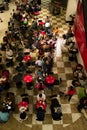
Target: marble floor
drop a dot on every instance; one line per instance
(62, 68)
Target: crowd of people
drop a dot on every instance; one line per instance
(27, 34)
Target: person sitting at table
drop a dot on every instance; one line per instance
(41, 106)
(23, 116)
(47, 23)
(9, 56)
(39, 75)
(79, 67)
(39, 62)
(70, 92)
(79, 74)
(40, 86)
(4, 77)
(41, 51)
(9, 102)
(47, 19)
(4, 115)
(41, 96)
(40, 114)
(50, 80)
(69, 33)
(82, 106)
(47, 65)
(76, 83)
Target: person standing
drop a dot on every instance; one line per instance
(59, 43)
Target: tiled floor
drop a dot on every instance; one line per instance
(62, 68)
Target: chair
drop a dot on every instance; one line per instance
(40, 114)
(25, 97)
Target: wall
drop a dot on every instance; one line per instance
(71, 8)
(80, 35)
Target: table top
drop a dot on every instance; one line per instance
(27, 58)
(50, 79)
(28, 78)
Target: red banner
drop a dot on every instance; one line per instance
(79, 32)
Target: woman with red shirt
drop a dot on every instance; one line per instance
(71, 91)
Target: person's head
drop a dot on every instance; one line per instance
(40, 109)
(71, 87)
(38, 57)
(70, 27)
(40, 95)
(40, 70)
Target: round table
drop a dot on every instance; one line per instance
(41, 23)
(27, 58)
(28, 78)
(50, 79)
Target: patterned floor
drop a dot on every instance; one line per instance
(62, 68)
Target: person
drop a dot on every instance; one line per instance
(69, 33)
(56, 109)
(40, 86)
(55, 31)
(70, 92)
(9, 56)
(39, 75)
(39, 62)
(41, 106)
(23, 115)
(4, 115)
(40, 114)
(82, 106)
(58, 46)
(47, 23)
(41, 96)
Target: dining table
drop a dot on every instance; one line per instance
(28, 78)
(27, 58)
(50, 79)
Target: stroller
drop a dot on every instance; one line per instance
(55, 108)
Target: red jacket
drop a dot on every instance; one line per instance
(71, 92)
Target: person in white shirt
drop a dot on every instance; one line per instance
(41, 96)
(58, 46)
(9, 54)
(39, 62)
